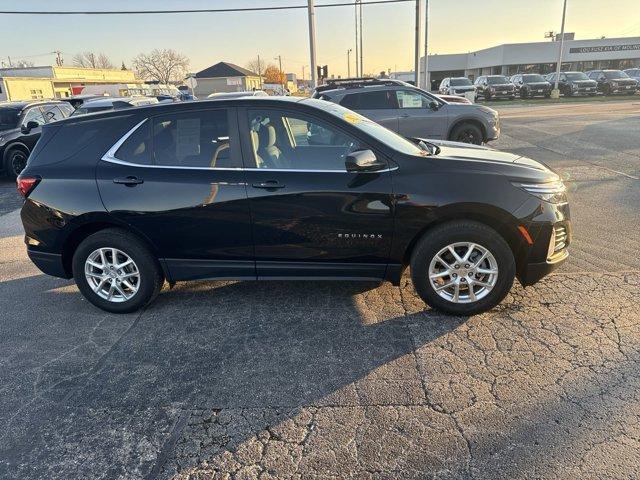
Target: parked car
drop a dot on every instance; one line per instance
(633, 73)
(227, 95)
(491, 87)
(613, 82)
(20, 128)
(77, 100)
(263, 188)
(573, 84)
(529, 85)
(105, 104)
(456, 86)
(412, 112)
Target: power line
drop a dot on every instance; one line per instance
(203, 10)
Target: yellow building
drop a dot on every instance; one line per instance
(29, 83)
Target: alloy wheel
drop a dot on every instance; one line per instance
(112, 274)
(18, 162)
(463, 272)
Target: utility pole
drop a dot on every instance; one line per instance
(312, 43)
(556, 93)
(260, 72)
(418, 43)
(427, 83)
(59, 60)
(356, 17)
(9, 58)
(348, 63)
(282, 77)
(361, 63)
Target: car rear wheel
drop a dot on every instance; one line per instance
(467, 133)
(116, 272)
(15, 161)
(462, 268)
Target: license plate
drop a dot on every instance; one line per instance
(628, 87)
(540, 91)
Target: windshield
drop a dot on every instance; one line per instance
(497, 80)
(8, 118)
(376, 130)
(615, 74)
(577, 76)
(460, 82)
(532, 78)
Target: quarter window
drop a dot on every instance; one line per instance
(283, 141)
(137, 148)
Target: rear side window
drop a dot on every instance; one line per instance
(193, 139)
(368, 100)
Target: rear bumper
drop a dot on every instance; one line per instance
(49, 263)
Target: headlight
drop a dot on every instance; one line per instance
(574, 86)
(553, 192)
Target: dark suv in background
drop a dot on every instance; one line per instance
(494, 86)
(529, 85)
(20, 127)
(262, 188)
(412, 112)
(573, 83)
(613, 82)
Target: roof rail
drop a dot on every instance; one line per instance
(332, 83)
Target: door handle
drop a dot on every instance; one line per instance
(269, 185)
(129, 181)
(404, 115)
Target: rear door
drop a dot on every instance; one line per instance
(417, 118)
(378, 105)
(312, 218)
(177, 179)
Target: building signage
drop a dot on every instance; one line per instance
(605, 48)
(235, 81)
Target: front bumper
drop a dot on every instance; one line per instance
(624, 89)
(533, 272)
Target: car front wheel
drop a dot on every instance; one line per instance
(467, 133)
(462, 268)
(116, 272)
(15, 161)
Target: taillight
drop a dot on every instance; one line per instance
(26, 184)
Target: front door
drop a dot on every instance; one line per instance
(418, 119)
(312, 218)
(177, 180)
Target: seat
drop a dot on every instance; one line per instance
(268, 149)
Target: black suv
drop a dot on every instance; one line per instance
(494, 86)
(573, 84)
(613, 82)
(529, 85)
(20, 127)
(262, 188)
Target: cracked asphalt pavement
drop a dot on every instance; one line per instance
(343, 380)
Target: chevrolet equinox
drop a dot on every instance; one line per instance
(262, 188)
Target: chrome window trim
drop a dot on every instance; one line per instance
(110, 157)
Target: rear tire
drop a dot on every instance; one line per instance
(499, 259)
(467, 133)
(127, 288)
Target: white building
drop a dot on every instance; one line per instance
(538, 57)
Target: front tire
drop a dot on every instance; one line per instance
(14, 162)
(467, 133)
(116, 272)
(462, 268)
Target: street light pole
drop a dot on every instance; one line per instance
(427, 85)
(556, 93)
(348, 63)
(416, 66)
(361, 63)
(356, 17)
(312, 43)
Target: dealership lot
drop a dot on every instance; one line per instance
(330, 380)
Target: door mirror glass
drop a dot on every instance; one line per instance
(363, 161)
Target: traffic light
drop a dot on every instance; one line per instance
(323, 72)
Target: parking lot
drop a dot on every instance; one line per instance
(337, 380)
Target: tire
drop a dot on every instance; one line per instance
(523, 94)
(15, 159)
(483, 237)
(147, 277)
(467, 133)
(487, 96)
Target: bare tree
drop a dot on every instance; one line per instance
(22, 63)
(163, 65)
(92, 60)
(256, 65)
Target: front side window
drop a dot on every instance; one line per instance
(411, 99)
(193, 139)
(34, 115)
(283, 141)
(52, 113)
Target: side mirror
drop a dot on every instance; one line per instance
(363, 161)
(433, 105)
(29, 126)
